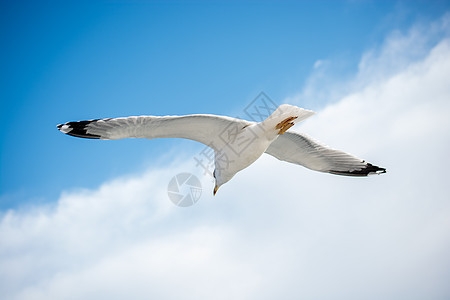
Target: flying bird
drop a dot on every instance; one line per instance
(236, 143)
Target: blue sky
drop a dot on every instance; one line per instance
(65, 61)
(90, 219)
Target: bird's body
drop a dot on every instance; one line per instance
(237, 143)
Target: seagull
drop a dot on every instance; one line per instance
(236, 143)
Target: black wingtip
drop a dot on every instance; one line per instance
(369, 169)
(78, 129)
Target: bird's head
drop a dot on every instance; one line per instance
(220, 178)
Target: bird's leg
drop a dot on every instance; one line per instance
(285, 128)
(284, 125)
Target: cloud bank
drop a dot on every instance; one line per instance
(276, 230)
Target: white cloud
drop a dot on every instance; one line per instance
(276, 230)
(329, 82)
(319, 63)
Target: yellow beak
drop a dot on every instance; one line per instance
(215, 190)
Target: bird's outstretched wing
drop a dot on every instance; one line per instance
(205, 129)
(302, 150)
